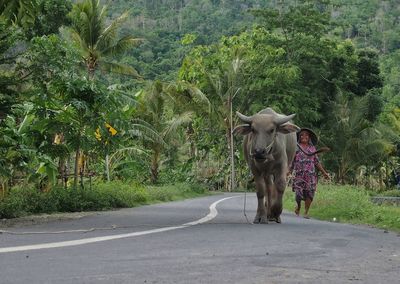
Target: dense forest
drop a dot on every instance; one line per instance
(146, 90)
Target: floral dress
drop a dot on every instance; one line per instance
(304, 181)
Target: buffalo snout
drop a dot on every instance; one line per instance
(260, 154)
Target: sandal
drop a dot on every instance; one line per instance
(297, 211)
(306, 217)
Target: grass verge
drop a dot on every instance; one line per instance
(348, 204)
(26, 200)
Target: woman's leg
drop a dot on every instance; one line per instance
(298, 207)
(307, 204)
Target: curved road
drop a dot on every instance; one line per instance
(203, 240)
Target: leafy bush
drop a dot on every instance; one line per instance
(123, 194)
(173, 192)
(12, 206)
(27, 200)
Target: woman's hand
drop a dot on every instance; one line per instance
(326, 175)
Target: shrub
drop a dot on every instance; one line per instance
(24, 200)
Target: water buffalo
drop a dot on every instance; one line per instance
(269, 148)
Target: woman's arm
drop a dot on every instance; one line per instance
(291, 166)
(325, 173)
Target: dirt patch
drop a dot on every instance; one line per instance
(42, 218)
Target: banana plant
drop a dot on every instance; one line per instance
(166, 107)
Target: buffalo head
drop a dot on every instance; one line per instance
(262, 129)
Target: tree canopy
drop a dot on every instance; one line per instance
(147, 90)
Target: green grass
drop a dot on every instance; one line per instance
(26, 200)
(348, 204)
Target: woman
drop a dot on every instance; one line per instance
(304, 181)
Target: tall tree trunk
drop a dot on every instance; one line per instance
(154, 167)
(107, 167)
(387, 174)
(77, 156)
(76, 172)
(3, 188)
(381, 183)
(61, 170)
(189, 135)
(232, 184)
(367, 179)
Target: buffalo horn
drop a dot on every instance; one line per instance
(246, 119)
(283, 119)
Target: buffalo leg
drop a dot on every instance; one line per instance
(261, 216)
(270, 194)
(276, 208)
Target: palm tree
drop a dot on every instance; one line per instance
(165, 107)
(99, 42)
(355, 140)
(19, 12)
(225, 83)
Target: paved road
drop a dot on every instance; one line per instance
(189, 242)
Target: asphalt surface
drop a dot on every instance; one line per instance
(187, 242)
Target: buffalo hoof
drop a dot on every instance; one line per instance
(260, 220)
(276, 219)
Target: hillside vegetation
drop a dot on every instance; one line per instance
(144, 90)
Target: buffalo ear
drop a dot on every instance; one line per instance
(242, 129)
(288, 128)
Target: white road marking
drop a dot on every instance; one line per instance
(213, 213)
